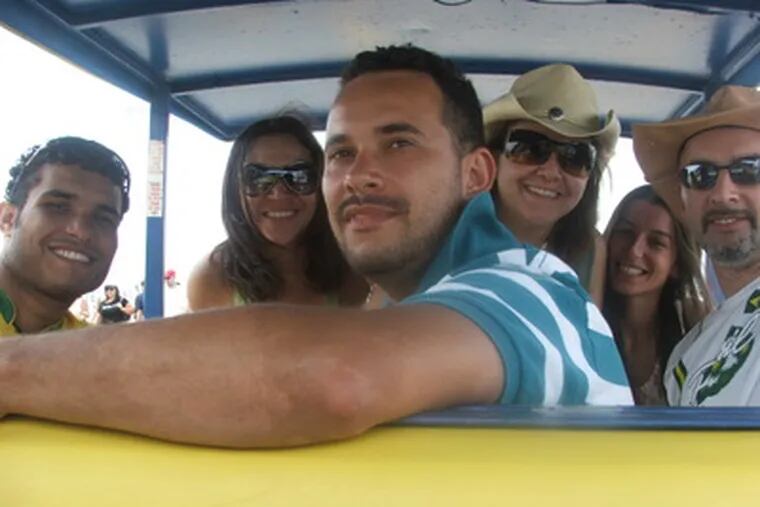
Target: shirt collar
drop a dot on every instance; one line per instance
(478, 232)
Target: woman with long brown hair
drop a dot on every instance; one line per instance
(279, 245)
(654, 291)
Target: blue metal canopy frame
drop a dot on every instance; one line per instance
(213, 62)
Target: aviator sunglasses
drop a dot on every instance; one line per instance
(704, 175)
(526, 147)
(300, 178)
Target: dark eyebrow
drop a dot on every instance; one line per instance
(398, 128)
(336, 139)
(388, 129)
(662, 233)
(60, 194)
(653, 231)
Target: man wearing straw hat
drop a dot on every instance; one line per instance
(707, 168)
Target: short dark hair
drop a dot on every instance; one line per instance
(89, 155)
(241, 255)
(462, 114)
(115, 288)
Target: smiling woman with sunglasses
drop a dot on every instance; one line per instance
(279, 246)
(551, 148)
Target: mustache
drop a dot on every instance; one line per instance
(394, 203)
(723, 212)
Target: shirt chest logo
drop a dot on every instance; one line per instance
(717, 374)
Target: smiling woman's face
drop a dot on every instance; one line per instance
(536, 195)
(641, 250)
(280, 215)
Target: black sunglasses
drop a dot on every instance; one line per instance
(526, 147)
(300, 178)
(704, 175)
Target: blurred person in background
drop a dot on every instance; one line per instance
(114, 308)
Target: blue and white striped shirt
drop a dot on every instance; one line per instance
(554, 343)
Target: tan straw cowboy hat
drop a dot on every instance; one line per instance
(557, 97)
(658, 145)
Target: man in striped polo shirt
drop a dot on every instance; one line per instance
(481, 319)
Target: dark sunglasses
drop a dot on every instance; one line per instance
(525, 147)
(300, 178)
(704, 175)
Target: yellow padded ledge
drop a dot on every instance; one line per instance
(48, 464)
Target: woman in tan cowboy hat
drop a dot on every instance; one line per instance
(551, 147)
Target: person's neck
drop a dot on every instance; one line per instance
(641, 316)
(532, 234)
(734, 279)
(638, 337)
(35, 311)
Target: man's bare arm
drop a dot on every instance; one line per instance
(253, 376)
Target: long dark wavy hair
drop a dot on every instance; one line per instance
(242, 255)
(574, 234)
(683, 300)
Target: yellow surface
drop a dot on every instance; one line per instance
(46, 464)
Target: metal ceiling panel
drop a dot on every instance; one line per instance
(226, 63)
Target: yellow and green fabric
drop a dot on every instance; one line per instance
(8, 319)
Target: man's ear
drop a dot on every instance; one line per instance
(478, 172)
(8, 217)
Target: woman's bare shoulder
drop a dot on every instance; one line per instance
(207, 286)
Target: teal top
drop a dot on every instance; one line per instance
(554, 343)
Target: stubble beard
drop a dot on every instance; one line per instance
(30, 280)
(741, 252)
(404, 262)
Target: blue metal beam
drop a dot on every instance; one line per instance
(741, 63)
(217, 81)
(156, 207)
(701, 6)
(189, 109)
(689, 106)
(41, 26)
(741, 67)
(109, 11)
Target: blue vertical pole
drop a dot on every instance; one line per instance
(156, 192)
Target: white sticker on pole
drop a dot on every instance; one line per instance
(155, 178)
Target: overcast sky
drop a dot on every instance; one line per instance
(42, 97)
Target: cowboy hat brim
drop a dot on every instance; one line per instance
(658, 146)
(508, 109)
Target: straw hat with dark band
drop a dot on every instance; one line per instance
(557, 97)
(658, 145)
